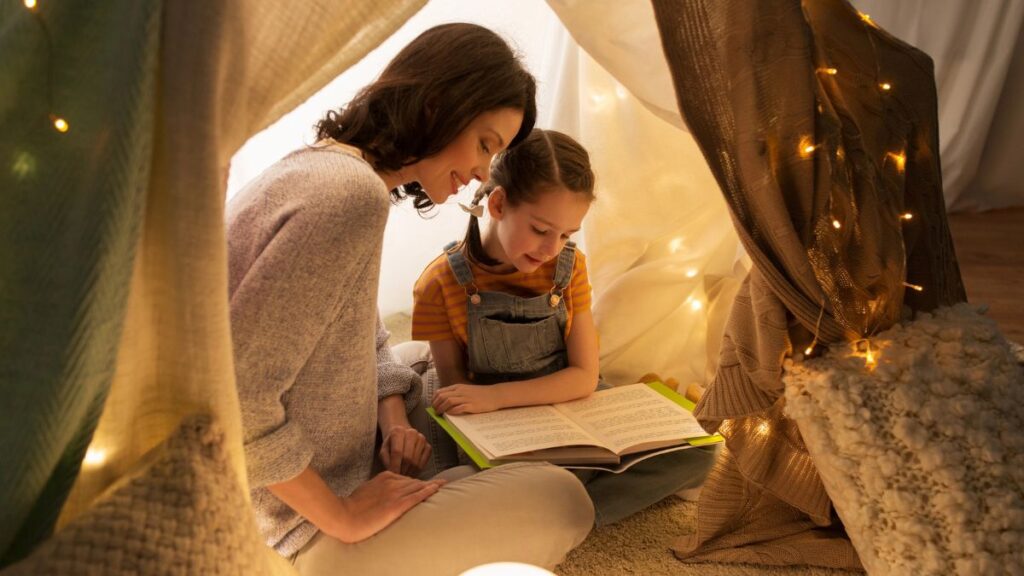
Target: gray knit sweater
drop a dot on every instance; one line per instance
(311, 356)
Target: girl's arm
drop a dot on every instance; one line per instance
(576, 380)
(449, 359)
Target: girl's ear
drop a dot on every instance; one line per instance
(496, 203)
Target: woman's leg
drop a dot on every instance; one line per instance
(532, 513)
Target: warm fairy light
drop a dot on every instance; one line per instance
(30, 4)
(885, 86)
(809, 350)
(914, 287)
(806, 146)
(869, 357)
(906, 216)
(696, 305)
(94, 457)
(764, 428)
(836, 224)
(691, 273)
(60, 124)
(829, 71)
(675, 244)
(899, 158)
(866, 18)
(620, 92)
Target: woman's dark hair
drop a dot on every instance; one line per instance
(428, 94)
(546, 160)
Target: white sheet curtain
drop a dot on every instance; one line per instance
(663, 253)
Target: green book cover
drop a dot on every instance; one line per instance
(483, 463)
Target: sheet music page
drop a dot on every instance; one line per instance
(515, 430)
(629, 415)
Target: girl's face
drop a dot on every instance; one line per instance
(468, 156)
(532, 233)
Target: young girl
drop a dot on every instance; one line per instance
(507, 312)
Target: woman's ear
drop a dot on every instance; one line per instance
(496, 203)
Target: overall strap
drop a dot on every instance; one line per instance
(457, 262)
(563, 272)
(460, 267)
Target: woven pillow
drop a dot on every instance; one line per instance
(182, 513)
(923, 456)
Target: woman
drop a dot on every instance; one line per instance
(315, 375)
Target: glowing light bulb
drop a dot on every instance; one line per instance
(696, 305)
(620, 92)
(831, 71)
(885, 86)
(808, 350)
(94, 457)
(906, 216)
(899, 158)
(692, 273)
(60, 124)
(866, 18)
(869, 357)
(806, 146)
(836, 224)
(30, 4)
(914, 287)
(675, 244)
(764, 428)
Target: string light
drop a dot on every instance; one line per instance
(30, 4)
(899, 158)
(806, 147)
(906, 216)
(867, 19)
(60, 124)
(696, 305)
(829, 71)
(836, 224)
(914, 287)
(94, 457)
(885, 86)
(691, 273)
(869, 356)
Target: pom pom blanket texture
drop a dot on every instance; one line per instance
(923, 455)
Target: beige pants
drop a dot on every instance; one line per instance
(532, 513)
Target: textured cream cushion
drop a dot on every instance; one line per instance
(182, 512)
(923, 456)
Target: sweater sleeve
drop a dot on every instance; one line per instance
(284, 301)
(393, 377)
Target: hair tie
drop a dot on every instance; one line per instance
(476, 210)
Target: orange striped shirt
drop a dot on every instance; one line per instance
(439, 303)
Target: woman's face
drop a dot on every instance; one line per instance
(468, 156)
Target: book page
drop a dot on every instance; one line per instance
(515, 430)
(630, 415)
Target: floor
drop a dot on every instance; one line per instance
(990, 250)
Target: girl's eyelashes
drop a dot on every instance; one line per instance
(485, 147)
(539, 231)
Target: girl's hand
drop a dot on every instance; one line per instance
(377, 503)
(404, 450)
(466, 399)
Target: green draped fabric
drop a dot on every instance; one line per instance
(70, 211)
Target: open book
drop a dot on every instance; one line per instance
(609, 430)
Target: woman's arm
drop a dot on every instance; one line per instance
(576, 380)
(369, 509)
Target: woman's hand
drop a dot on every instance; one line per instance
(466, 399)
(377, 503)
(405, 450)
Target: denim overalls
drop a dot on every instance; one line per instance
(510, 337)
(515, 338)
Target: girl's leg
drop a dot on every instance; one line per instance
(532, 513)
(617, 496)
